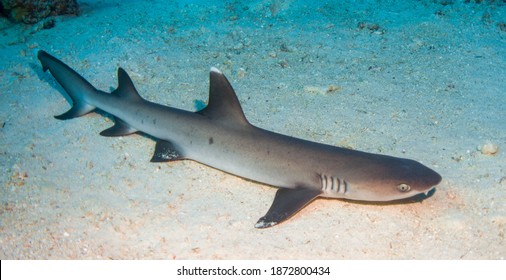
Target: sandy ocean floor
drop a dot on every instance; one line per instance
(416, 79)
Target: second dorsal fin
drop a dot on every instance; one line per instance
(223, 104)
(126, 88)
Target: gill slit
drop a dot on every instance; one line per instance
(333, 184)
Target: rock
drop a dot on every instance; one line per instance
(33, 11)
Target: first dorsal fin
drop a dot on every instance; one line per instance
(223, 104)
(126, 88)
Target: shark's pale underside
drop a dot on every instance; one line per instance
(220, 136)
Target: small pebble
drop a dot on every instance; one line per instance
(502, 26)
(489, 149)
(502, 181)
(284, 48)
(322, 90)
(316, 90)
(241, 73)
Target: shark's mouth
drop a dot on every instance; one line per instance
(430, 191)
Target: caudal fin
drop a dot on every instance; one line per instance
(74, 84)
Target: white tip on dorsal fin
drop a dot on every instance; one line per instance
(223, 104)
(214, 69)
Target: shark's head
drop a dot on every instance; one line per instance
(393, 179)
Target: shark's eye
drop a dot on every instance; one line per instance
(403, 188)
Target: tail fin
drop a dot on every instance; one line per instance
(73, 83)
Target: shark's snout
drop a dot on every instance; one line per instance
(428, 178)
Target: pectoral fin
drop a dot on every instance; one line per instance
(286, 203)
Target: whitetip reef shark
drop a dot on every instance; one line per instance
(221, 137)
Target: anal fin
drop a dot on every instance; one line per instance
(166, 151)
(286, 203)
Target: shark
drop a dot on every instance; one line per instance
(221, 137)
